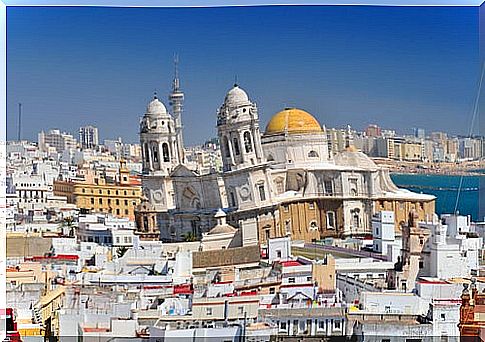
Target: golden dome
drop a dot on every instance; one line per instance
(293, 121)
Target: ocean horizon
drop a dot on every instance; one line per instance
(446, 189)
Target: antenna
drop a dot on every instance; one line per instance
(176, 81)
(19, 133)
(176, 64)
(235, 80)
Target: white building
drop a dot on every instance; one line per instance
(88, 137)
(454, 251)
(106, 230)
(383, 231)
(57, 140)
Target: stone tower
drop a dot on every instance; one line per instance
(238, 131)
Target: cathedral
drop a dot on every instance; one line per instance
(283, 181)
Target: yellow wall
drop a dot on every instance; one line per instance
(117, 199)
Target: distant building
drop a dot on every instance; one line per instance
(419, 133)
(373, 131)
(57, 140)
(88, 137)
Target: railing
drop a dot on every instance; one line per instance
(342, 250)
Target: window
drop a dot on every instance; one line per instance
(226, 147)
(272, 290)
(100, 201)
(356, 220)
(247, 142)
(278, 253)
(240, 310)
(233, 199)
(236, 146)
(330, 220)
(280, 188)
(309, 278)
(117, 201)
(353, 186)
(262, 194)
(283, 326)
(166, 154)
(117, 239)
(286, 208)
(313, 226)
(288, 226)
(146, 151)
(328, 185)
(126, 202)
(312, 154)
(443, 316)
(336, 324)
(209, 311)
(291, 280)
(311, 205)
(126, 211)
(421, 264)
(92, 200)
(155, 153)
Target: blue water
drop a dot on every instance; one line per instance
(445, 188)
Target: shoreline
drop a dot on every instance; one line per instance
(451, 174)
(472, 169)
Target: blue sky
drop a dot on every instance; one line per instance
(400, 67)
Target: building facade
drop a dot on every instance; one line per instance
(96, 193)
(287, 180)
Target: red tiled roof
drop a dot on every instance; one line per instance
(290, 263)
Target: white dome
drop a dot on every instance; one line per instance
(156, 107)
(235, 97)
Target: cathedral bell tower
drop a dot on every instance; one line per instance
(158, 139)
(238, 131)
(176, 101)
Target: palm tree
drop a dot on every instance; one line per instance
(68, 222)
(189, 237)
(121, 251)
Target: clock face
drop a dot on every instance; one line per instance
(157, 196)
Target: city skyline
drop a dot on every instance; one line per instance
(356, 67)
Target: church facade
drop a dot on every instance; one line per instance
(281, 181)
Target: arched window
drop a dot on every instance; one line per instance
(356, 220)
(227, 150)
(166, 154)
(330, 220)
(155, 153)
(248, 146)
(270, 158)
(312, 154)
(147, 153)
(236, 147)
(232, 199)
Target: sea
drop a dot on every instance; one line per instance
(445, 188)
